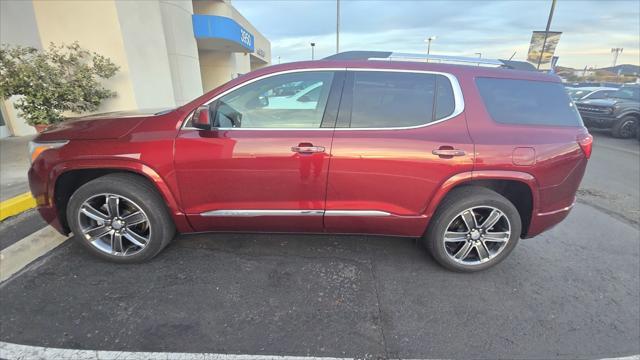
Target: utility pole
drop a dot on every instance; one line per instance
(616, 52)
(313, 45)
(546, 32)
(337, 26)
(429, 40)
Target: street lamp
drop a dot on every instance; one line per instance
(428, 41)
(479, 55)
(313, 45)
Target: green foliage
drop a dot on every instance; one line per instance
(50, 82)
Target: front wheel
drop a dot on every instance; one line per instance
(120, 218)
(473, 229)
(625, 128)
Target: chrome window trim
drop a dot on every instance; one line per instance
(455, 86)
(257, 213)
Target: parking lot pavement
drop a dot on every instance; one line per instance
(572, 292)
(612, 177)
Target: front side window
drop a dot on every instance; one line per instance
(399, 99)
(599, 94)
(627, 93)
(528, 102)
(295, 100)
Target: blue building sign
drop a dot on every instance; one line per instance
(220, 27)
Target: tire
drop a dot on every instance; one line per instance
(141, 217)
(625, 128)
(450, 218)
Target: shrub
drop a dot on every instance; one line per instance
(50, 82)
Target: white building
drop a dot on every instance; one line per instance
(168, 51)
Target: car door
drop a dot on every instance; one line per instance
(400, 135)
(260, 168)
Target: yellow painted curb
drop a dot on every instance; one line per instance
(16, 205)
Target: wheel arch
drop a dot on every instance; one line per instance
(66, 178)
(518, 187)
(632, 113)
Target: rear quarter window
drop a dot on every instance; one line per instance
(528, 102)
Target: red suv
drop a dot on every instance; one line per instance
(468, 158)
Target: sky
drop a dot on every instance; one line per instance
(496, 29)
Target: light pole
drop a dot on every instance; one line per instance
(546, 32)
(337, 26)
(278, 59)
(479, 55)
(313, 45)
(428, 41)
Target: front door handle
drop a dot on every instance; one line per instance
(307, 149)
(448, 152)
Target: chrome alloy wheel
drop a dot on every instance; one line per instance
(477, 235)
(114, 224)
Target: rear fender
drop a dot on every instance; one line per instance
(466, 177)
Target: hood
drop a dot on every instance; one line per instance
(111, 125)
(600, 102)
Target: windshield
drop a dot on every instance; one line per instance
(577, 94)
(630, 93)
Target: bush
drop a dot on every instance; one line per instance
(50, 82)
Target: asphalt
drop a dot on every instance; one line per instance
(573, 292)
(612, 180)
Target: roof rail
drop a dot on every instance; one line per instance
(394, 56)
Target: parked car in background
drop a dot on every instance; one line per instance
(469, 159)
(590, 92)
(306, 98)
(620, 113)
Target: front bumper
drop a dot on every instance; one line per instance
(598, 121)
(38, 183)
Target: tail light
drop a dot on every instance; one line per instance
(586, 144)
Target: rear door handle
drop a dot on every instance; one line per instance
(448, 152)
(306, 149)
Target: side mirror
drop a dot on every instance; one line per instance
(202, 118)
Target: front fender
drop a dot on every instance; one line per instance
(123, 165)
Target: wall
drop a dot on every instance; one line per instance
(146, 51)
(17, 26)
(182, 49)
(95, 25)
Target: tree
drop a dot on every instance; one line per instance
(50, 82)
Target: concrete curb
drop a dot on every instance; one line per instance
(16, 205)
(25, 251)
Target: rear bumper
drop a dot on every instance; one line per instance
(542, 222)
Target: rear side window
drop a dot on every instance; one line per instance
(399, 99)
(528, 102)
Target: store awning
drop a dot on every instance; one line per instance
(221, 33)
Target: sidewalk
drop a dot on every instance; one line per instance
(14, 164)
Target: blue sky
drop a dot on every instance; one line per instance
(494, 28)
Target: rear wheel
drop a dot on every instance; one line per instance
(121, 218)
(473, 229)
(625, 128)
